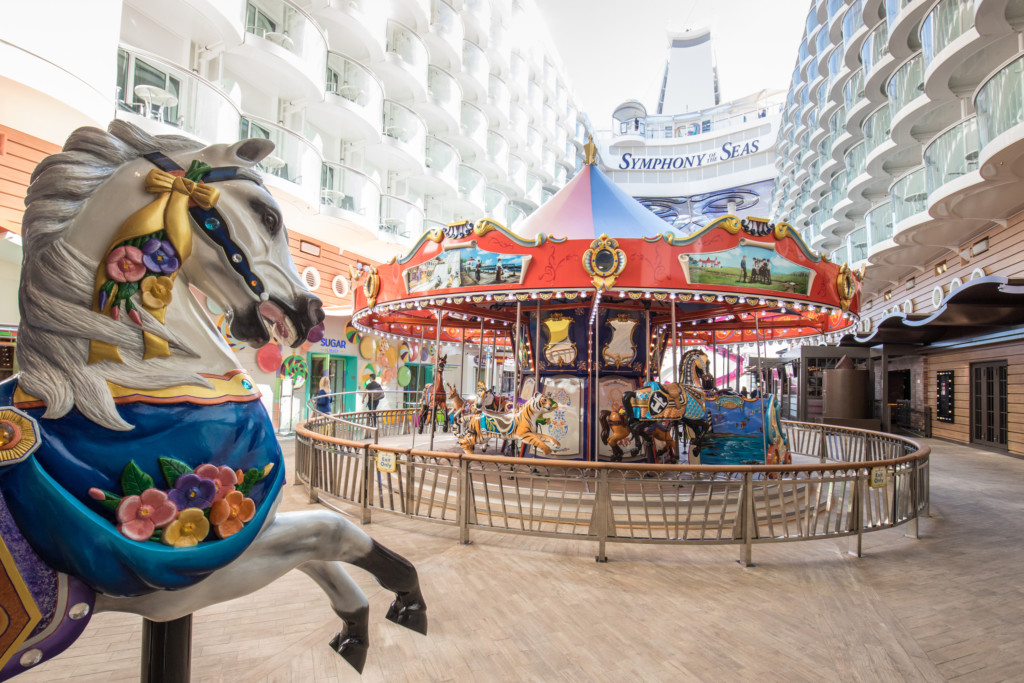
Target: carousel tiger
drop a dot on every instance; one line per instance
(520, 426)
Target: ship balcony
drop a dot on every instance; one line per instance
(518, 127)
(403, 144)
(351, 196)
(533, 195)
(515, 215)
(957, 57)
(440, 175)
(858, 247)
(494, 163)
(474, 73)
(285, 46)
(913, 113)
(293, 167)
(404, 67)
(546, 170)
(353, 102)
(879, 228)
(477, 17)
(999, 103)
(471, 139)
(518, 77)
(856, 103)
(355, 27)
(909, 199)
(496, 205)
(533, 153)
(549, 122)
(855, 32)
(401, 220)
(445, 35)
(513, 183)
(498, 101)
(186, 104)
(472, 191)
(499, 51)
(442, 110)
(561, 174)
(957, 191)
(904, 18)
(877, 142)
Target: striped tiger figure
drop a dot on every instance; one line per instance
(521, 426)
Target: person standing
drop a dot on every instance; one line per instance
(374, 395)
(323, 397)
(743, 268)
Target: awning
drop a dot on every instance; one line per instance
(981, 306)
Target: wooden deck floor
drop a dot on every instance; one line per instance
(508, 608)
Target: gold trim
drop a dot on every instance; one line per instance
(25, 599)
(222, 387)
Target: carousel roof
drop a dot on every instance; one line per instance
(589, 206)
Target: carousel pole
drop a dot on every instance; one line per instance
(462, 364)
(421, 373)
(167, 650)
(675, 342)
(714, 358)
(481, 372)
(597, 372)
(760, 393)
(536, 353)
(494, 358)
(433, 392)
(647, 340)
(515, 354)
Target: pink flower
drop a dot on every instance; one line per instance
(125, 264)
(222, 477)
(139, 516)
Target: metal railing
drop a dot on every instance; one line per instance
(849, 482)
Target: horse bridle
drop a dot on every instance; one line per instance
(212, 222)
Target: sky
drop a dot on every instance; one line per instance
(615, 50)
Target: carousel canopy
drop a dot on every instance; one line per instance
(591, 205)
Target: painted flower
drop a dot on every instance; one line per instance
(159, 256)
(156, 291)
(222, 477)
(189, 529)
(229, 515)
(192, 491)
(139, 516)
(125, 264)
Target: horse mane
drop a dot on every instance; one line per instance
(57, 282)
(605, 428)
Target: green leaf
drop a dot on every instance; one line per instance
(134, 481)
(111, 501)
(173, 469)
(250, 479)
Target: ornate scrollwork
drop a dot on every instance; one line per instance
(846, 286)
(371, 288)
(604, 262)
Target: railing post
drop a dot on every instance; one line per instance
(822, 445)
(364, 515)
(464, 501)
(857, 514)
(600, 518)
(747, 524)
(315, 456)
(410, 479)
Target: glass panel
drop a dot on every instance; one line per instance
(348, 189)
(945, 23)
(853, 90)
(876, 128)
(906, 84)
(952, 154)
(855, 161)
(853, 21)
(879, 224)
(909, 196)
(875, 47)
(1000, 102)
(859, 244)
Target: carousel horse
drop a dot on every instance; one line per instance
(485, 398)
(615, 429)
(669, 404)
(520, 426)
(694, 370)
(139, 470)
(435, 397)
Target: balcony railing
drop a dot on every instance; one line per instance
(474, 124)
(534, 189)
(496, 205)
(909, 196)
(946, 22)
(497, 149)
(514, 215)
(856, 159)
(952, 154)
(853, 21)
(876, 127)
(474, 62)
(446, 22)
(878, 223)
(294, 158)
(288, 27)
(906, 85)
(859, 244)
(349, 79)
(853, 90)
(875, 47)
(893, 9)
(1000, 102)
(407, 46)
(497, 93)
(516, 171)
(517, 123)
(834, 6)
(442, 159)
(405, 126)
(400, 219)
(471, 184)
(185, 100)
(345, 188)
(445, 90)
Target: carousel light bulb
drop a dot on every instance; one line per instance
(721, 298)
(760, 302)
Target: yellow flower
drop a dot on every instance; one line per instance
(156, 291)
(190, 528)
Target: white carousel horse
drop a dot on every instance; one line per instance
(123, 373)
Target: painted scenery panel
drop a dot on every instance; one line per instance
(747, 266)
(440, 272)
(487, 268)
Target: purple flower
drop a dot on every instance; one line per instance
(192, 491)
(159, 256)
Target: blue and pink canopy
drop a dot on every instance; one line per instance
(589, 206)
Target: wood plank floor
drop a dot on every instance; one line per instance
(507, 608)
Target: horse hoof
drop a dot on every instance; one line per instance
(412, 615)
(352, 648)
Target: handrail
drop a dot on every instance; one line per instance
(628, 502)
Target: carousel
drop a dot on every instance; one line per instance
(607, 313)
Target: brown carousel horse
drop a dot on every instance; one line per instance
(457, 413)
(434, 397)
(614, 430)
